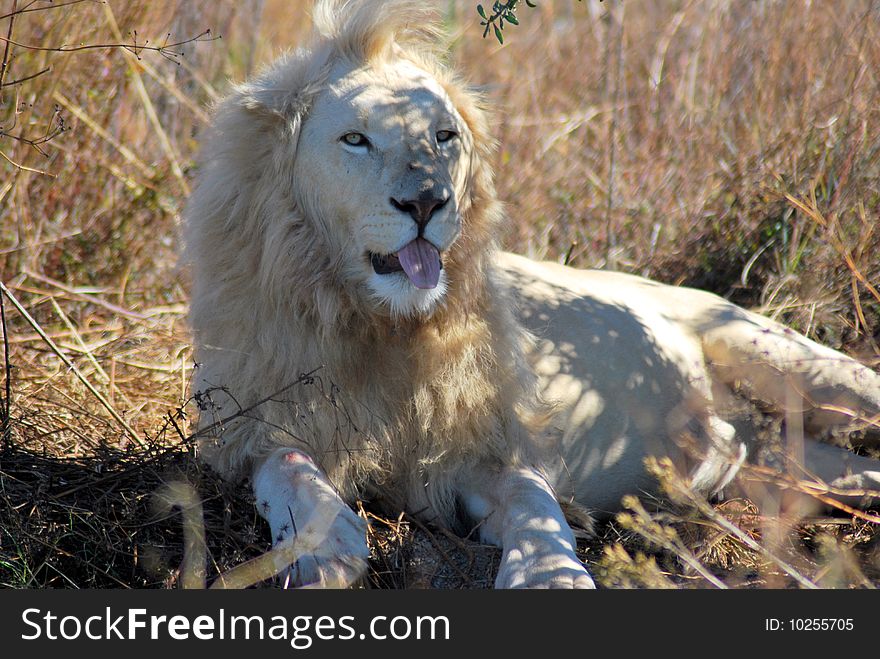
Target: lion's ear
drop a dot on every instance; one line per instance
(283, 92)
(274, 105)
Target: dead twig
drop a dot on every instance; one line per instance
(6, 403)
(4, 64)
(166, 50)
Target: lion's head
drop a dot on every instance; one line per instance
(366, 171)
(392, 177)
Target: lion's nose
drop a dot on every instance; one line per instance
(421, 209)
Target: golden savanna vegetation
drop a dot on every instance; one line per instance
(733, 146)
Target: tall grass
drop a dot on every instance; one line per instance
(746, 160)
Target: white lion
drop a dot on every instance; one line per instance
(345, 220)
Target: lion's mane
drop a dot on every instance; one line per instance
(405, 404)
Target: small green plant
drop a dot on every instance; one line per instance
(502, 12)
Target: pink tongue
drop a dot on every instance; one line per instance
(420, 261)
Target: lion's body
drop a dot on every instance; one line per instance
(345, 225)
(632, 364)
(624, 376)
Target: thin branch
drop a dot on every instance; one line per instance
(24, 168)
(18, 81)
(37, 142)
(4, 65)
(5, 428)
(29, 8)
(134, 48)
(305, 378)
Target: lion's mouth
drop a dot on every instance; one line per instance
(385, 264)
(420, 261)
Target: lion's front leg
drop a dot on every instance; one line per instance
(305, 512)
(522, 515)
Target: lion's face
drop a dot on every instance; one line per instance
(382, 167)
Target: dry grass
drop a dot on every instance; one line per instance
(733, 146)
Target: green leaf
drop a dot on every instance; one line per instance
(531, 4)
(481, 11)
(512, 19)
(498, 35)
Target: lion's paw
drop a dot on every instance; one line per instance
(561, 570)
(318, 540)
(339, 557)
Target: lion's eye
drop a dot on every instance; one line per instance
(446, 135)
(355, 139)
